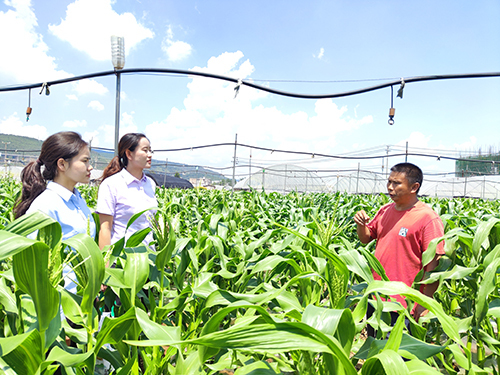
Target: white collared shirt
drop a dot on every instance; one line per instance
(121, 196)
(68, 208)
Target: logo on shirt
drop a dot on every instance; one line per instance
(403, 231)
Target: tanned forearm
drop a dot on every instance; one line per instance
(361, 219)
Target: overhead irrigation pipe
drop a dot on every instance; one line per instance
(311, 154)
(437, 157)
(240, 82)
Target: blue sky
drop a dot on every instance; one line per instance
(264, 41)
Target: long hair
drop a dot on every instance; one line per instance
(62, 145)
(129, 141)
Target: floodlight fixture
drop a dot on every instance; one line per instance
(118, 60)
(118, 52)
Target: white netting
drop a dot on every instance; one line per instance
(284, 178)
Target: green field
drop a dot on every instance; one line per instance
(255, 283)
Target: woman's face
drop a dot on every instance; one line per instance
(142, 155)
(78, 168)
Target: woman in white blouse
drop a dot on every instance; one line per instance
(49, 186)
(125, 190)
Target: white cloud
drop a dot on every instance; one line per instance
(96, 105)
(468, 145)
(23, 45)
(89, 86)
(211, 114)
(14, 125)
(91, 137)
(108, 133)
(99, 21)
(320, 54)
(104, 136)
(127, 119)
(72, 97)
(75, 124)
(175, 50)
(416, 139)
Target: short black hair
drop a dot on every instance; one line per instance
(411, 171)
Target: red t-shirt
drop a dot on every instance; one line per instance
(402, 237)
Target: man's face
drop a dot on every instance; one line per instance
(399, 188)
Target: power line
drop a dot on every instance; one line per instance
(305, 153)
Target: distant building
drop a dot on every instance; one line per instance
(201, 182)
(478, 165)
(169, 181)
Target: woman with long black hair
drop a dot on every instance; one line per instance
(125, 190)
(49, 185)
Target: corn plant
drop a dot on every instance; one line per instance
(250, 283)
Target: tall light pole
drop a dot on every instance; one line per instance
(5, 154)
(118, 59)
(234, 163)
(165, 177)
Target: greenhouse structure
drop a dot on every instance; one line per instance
(485, 187)
(283, 178)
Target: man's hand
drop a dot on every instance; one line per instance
(419, 311)
(361, 219)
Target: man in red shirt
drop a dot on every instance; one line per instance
(403, 230)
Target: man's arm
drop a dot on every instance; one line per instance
(361, 219)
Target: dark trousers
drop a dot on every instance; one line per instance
(394, 317)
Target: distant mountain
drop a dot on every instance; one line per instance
(17, 142)
(20, 150)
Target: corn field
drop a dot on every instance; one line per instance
(254, 283)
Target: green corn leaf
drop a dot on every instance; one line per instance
(393, 288)
(31, 273)
(459, 356)
(71, 305)
(333, 322)
(69, 360)
(330, 255)
(11, 244)
(155, 331)
(456, 273)
(189, 366)
(7, 298)
(136, 270)
(23, 353)
(394, 341)
(481, 237)
(409, 345)
(257, 368)
(165, 254)
(114, 329)
(137, 215)
(270, 337)
(387, 362)
(271, 262)
(416, 367)
(93, 264)
(486, 287)
(137, 238)
(357, 264)
(374, 264)
(27, 224)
